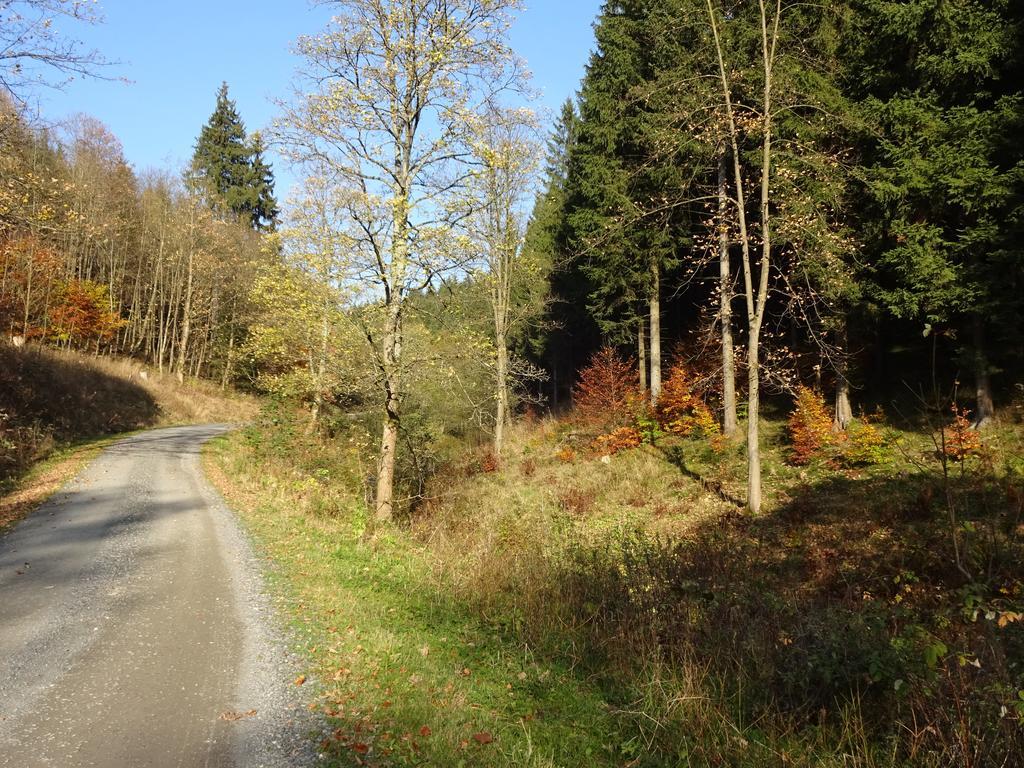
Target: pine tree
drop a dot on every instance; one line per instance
(223, 160)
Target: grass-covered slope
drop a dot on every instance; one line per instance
(569, 610)
(51, 399)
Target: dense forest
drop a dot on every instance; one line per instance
(773, 249)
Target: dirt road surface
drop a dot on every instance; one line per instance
(133, 626)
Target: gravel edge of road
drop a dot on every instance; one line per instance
(283, 731)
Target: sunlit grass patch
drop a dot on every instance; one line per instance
(406, 674)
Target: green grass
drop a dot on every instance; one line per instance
(406, 675)
(626, 613)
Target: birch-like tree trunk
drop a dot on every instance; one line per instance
(641, 344)
(756, 295)
(655, 323)
(984, 407)
(729, 421)
(844, 411)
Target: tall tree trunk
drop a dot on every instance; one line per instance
(186, 320)
(392, 354)
(642, 353)
(756, 297)
(501, 414)
(229, 360)
(754, 423)
(655, 321)
(319, 370)
(844, 412)
(729, 420)
(984, 407)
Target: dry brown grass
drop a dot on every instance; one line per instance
(51, 400)
(195, 401)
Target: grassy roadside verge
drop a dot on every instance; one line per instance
(406, 675)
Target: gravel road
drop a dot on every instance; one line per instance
(134, 630)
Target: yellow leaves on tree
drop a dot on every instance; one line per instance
(679, 410)
(810, 427)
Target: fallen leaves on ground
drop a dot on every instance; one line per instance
(231, 716)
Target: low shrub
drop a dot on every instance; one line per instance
(810, 427)
(608, 392)
(680, 410)
(961, 439)
(621, 439)
(865, 444)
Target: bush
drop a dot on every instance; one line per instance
(810, 427)
(608, 392)
(566, 455)
(961, 439)
(679, 410)
(621, 439)
(864, 444)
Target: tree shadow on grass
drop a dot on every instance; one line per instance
(848, 591)
(47, 399)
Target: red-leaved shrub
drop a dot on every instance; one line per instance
(962, 440)
(621, 439)
(679, 410)
(608, 391)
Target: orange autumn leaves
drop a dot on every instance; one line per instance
(73, 312)
(608, 398)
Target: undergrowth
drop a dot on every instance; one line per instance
(612, 611)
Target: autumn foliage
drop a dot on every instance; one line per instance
(679, 410)
(82, 314)
(810, 427)
(608, 391)
(621, 439)
(961, 439)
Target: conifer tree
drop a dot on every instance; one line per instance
(623, 243)
(223, 159)
(566, 318)
(945, 169)
(264, 211)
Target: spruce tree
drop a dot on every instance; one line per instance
(568, 331)
(264, 211)
(625, 238)
(222, 161)
(944, 167)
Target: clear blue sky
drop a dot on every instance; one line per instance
(177, 53)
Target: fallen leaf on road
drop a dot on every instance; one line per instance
(300, 679)
(231, 716)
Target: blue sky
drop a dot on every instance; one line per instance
(177, 53)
